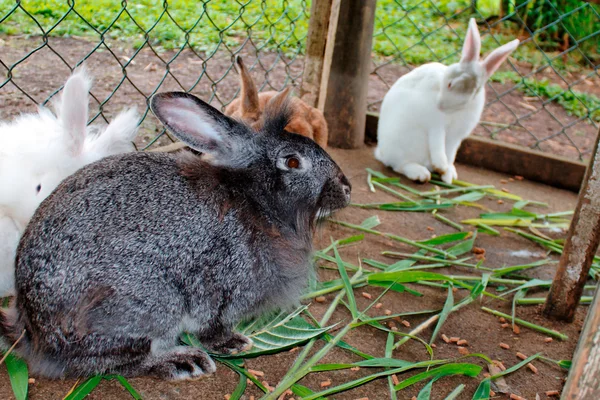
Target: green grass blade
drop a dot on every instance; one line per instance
(389, 349)
(395, 237)
(302, 391)
(448, 222)
(483, 390)
(463, 247)
(454, 394)
(516, 366)
(347, 284)
(242, 371)
(448, 238)
(444, 314)
(445, 370)
(138, 396)
(529, 325)
(425, 393)
(240, 388)
(19, 376)
(371, 222)
(81, 391)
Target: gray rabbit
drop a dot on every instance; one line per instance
(134, 249)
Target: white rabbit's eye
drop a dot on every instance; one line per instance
(293, 163)
(449, 85)
(38, 188)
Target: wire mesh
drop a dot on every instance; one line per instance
(134, 49)
(545, 97)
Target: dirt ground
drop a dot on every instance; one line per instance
(214, 79)
(483, 331)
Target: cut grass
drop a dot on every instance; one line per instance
(283, 331)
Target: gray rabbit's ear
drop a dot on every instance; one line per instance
(199, 125)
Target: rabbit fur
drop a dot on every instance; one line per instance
(134, 249)
(429, 111)
(251, 105)
(40, 150)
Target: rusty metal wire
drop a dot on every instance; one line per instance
(545, 97)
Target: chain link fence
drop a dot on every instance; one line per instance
(135, 48)
(546, 97)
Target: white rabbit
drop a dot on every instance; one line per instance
(40, 150)
(429, 111)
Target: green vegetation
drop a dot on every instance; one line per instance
(408, 30)
(574, 102)
(408, 272)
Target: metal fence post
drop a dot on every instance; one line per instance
(580, 247)
(345, 77)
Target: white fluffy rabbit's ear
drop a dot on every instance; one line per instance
(497, 57)
(73, 109)
(201, 126)
(472, 45)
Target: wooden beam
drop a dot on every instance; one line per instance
(581, 246)
(316, 41)
(583, 382)
(510, 159)
(343, 93)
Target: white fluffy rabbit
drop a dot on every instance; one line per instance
(39, 150)
(429, 111)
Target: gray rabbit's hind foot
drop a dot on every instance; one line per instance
(181, 363)
(234, 344)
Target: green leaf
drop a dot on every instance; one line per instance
(330, 367)
(407, 276)
(463, 247)
(444, 314)
(240, 388)
(445, 370)
(454, 394)
(389, 349)
(483, 390)
(384, 362)
(566, 364)
(81, 391)
(233, 365)
(19, 376)
(470, 197)
(516, 366)
(347, 284)
(449, 238)
(130, 388)
(371, 222)
(301, 391)
(425, 393)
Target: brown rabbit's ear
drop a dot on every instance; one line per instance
(248, 92)
(277, 112)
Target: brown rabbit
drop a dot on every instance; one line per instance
(251, 105)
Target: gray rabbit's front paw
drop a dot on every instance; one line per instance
(236, 343)
(186, 363)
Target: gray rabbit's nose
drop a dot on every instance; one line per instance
(346, 187)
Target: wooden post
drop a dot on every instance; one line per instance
(345, 77)
(580, 248)
(316, 41)
(583, 382)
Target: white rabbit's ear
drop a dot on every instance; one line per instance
(472, 45)
(73, 109)
(201, 126)
(497, 57)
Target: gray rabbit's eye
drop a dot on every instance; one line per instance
(293, 163)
